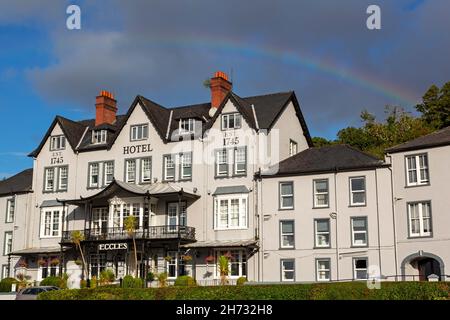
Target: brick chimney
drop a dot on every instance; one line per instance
(105, 108)
(220, 86)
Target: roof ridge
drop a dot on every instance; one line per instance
(269, 94)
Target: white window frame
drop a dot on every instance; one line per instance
(90, 171)
(354, 232)
(293, 147)
(222, 159)
(57, 143)
(323, 270)
(283, 270)
(5, 271)
(240, 159)
(139, 132)
(318, 233)
(317, 193)
(287, 234)
(47, 187)
(130, 175)
(106, 172)
(225, 121)
(99, 136)
(146, 175)
(242, 222)
(166, 158)
(10, 210)
(352, 203)
(419, 167)
(186, 126)
(62, 187)
(282, 196)
(185, 164)
(8, 242)
(355, 270)
(241, 262)
(50, 224)
(420, 218)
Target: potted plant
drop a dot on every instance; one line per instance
(54, 262)
(42, 262)
(186, 257)
(22, 263)
(209, 259)
(168, 258)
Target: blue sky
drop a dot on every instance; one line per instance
(165, 49)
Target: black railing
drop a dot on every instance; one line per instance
(117, 233)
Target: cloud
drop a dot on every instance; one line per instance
(165, 49)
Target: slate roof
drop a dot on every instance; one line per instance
(19, 183)
(435, 139)
(166, 120)
(322, 160)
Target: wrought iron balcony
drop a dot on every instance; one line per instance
(151, 233)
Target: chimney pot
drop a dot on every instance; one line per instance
(105, 108)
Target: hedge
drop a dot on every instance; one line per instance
(185, 281)
(322, 291)
(6, 284)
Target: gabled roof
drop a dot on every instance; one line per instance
(435, 139)
(267, 109)
(19, 183)
(323, 160)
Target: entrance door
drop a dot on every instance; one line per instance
(427, 267)
(175, 217)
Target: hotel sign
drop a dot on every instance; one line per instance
(137, 149)
(112, 246)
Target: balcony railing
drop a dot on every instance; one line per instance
(117, 233)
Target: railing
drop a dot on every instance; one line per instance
(117, 233)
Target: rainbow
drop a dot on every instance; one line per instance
(294, 58)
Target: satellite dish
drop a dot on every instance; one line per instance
(212, 112)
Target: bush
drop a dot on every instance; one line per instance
(315, 291)
(185, 281)
(93, 282)
(107, 276)
(162, 279)
(130, 282)
(241, 281)
(6, 284)
(83, 283)
(150, 276)
(52, 281)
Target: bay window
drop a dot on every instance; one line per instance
(230, 211)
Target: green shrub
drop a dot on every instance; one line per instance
(241, 281)
(162, 279)
(314, 291)
(150, 276)
(83, 284)
(185, 281)
(130, 282)
(6, 284)
(93, 282)
(52, 281)
(107, 276)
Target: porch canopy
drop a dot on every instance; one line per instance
(221, 244)
(123, 189)
(34, 251)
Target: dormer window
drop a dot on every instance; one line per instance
(231, 121)
(98, 136)
(57, 143)
(187, 126)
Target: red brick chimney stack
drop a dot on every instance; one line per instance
(105, 108)
(220, 86)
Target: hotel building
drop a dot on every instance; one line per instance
(236, 176)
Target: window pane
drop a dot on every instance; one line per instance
(287, 202)
(288, 240)
(359, 224)
(323, 239)
(287, 227)
(360, 238)
(358, 184)
(359, 197)
(286, 188)
(361, 263)
(321, 186)
(323, 225)
(288, 265)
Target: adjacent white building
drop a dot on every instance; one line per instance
(234, 176)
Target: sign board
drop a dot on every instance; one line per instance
(112, 246)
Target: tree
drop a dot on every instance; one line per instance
(77, 237)
(223, 269)
(130, 224)
(435, 106)
(321, 142)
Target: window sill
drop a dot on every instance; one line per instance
(327, 247)
(420, 237)
(285, 209)
(417, 185)
(359, 246)
(356, 205)
(286, 248)
(228, 229)
(321, 207)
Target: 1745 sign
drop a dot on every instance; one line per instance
(56, 158)
(230, 139)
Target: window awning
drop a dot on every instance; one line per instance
(231, 190)
(222, 244)
(29, 251)
(50, 203)
(158, 190)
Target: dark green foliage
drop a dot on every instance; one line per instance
(316, 291)
(185, 281)
(6, 284)
(52, 281)
(321, 142)
(150, 276)
(435, 106)
(130, 282)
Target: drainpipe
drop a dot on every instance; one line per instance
(336, 223)
(393, 215)
(378, 221)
